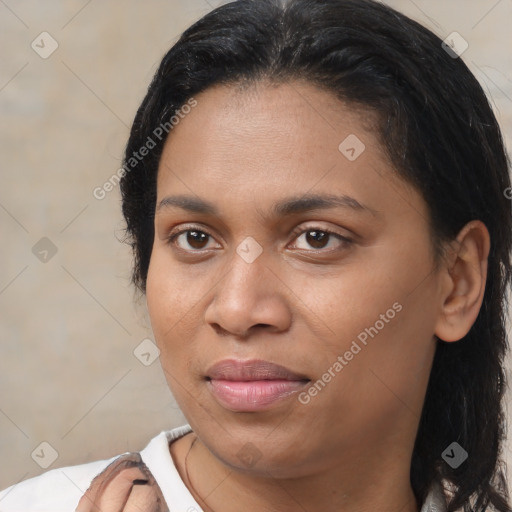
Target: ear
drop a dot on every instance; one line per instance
(464, 282)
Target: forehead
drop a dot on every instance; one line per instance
(258, 142)
(270, 124)
(297, 102)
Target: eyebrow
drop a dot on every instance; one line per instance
(285, 207)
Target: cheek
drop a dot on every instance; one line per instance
(167, 305)
(171, 294)
(168, 308)
(157, 295)
(354, 298)
(380, 313)
(175, 299)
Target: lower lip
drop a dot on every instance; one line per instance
(256, 395)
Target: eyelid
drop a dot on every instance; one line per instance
(316, 226)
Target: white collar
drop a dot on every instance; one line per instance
(157, 457)
(435, 500)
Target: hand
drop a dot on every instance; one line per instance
(126, 485)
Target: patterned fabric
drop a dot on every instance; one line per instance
(125, 485)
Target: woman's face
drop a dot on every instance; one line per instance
(303, 250)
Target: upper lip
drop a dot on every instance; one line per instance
(253, 369)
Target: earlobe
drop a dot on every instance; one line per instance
(465, 278)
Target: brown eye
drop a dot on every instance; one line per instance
(190, 239)
(196, 238)
(316, 238)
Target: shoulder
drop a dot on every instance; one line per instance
(57, 490)
(60, 490)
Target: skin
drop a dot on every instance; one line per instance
(300, 303)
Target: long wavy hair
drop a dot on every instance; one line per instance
(440, 133)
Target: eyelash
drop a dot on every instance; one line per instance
(344, 241)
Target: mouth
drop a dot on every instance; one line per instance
(253, 385)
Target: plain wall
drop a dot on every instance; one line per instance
(69, 325)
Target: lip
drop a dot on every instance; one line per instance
(252, 385)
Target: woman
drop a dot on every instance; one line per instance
(316, 197)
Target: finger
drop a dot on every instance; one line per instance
(117, 492)
(110, 495)
(143, 498)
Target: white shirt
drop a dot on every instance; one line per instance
(60, 490)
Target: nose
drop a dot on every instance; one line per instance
(248, 298)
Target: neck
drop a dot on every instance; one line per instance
(383, 484)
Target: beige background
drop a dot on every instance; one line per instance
(69, 326)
